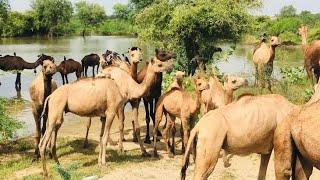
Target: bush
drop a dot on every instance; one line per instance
(289, 38)
(293, 74)
(8, 125)
(116, 27)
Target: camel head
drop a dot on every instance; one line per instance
(233, 83)
(302, 30)
(48, 68)
(263, 37)
(163, 55)
(201, 84)
(274, 41)
(179, 75)
(158, 66)
(103, 63)
(135, 54)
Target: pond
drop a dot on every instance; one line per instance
(239, 63)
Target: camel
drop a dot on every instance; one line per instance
(178, 103)
(90, 60)
(9, 63)
(150, 99)
(263, 39)
(242, 127)
(95, 100)
(263, 61)
(68, 66)
(311, 55)
(220, 95)
(39, 90)
(135, 57)
(177, 82)
(296, 142)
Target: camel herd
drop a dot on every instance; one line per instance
(250, 124)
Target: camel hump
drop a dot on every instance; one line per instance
(245, 95)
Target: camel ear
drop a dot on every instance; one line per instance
(152, 61)
(225, 78)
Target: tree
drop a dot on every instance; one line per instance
(287, 11)
(193, 28)
(4, 9)
(89, 14)
(141, 4)
(50, 15)
(122, 11)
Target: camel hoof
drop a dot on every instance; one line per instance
(145, 154)
(124, 139)
(135, 139)
(159, 133)
(147, 141)
(226, 164)
(85, 145)
(171, 155)
(155, 155)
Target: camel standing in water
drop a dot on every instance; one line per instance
(90, 60)
(311, 55)
(68, 66)
(9, 63)
(263, 61)
(178, 103)
(241, 127)
(95, 100)
(297, 142)
(39, 90)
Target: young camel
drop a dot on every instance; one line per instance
(178, 103)
(135, 54)
(39, 90)
(263, 61)
(296, 142)
(68, 66)
(177, 82)
(220, 95)
(90, 60)
(311, 55)
(241, 127)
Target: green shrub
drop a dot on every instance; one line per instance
(116, 27)
(289, 38)
(293, 74)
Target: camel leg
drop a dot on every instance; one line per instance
(18, 81)
(137, 130)
(155, 153)
(97, 68)
(92, 71)
(146, 108)
(185, 133)
(153, 112)
(86, 70)
(165, 134)
(62, 78)
(310, 75)
(135, 112)
(36, 115)
(256, 75)
(225, 158)
(207, 153)
(173, 133)
(303, 168)
(121, 127)
(263, 166)
(53, 142)
(110, 114)
(67, 81)
(103, 123)
(85, 144)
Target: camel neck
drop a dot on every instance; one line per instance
(304, 43)
(27, 65)
(197, 106)
(134, 70)
(228, 96)
(47, 85)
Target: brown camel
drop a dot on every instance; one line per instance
(220, 95)
(297, 142)
(242, 127)
(263, 61)
(9, 63)
(90, 60)
(135, 55)
(150, 99)
(68, 66)
(178, 103)
(39, 90)
(311, 55)
(149, 79)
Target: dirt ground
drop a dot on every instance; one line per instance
(245, 168)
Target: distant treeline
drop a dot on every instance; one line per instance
(285, 26)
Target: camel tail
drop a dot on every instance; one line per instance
(44, 106)
(185, 161)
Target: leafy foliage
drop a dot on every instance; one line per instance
(89, 14)
(293, 74)
(116, 27)
(288, 11)
(4, 8)
(193, 28)
(50, 15)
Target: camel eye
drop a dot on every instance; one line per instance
(272, 40)
(234, 81)
(159, 65)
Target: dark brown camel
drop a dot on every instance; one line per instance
(90, 60)
(68, 66)
(9, 63)
(151, 99)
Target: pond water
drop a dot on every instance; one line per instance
(239, 63)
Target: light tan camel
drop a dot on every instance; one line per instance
(263, 61)
(220, 95)
(311, 55)
(39, 90)
(297, 142)
(95, 100)
(135, 56)
(178, 103)
(177, 82)
(242, 127)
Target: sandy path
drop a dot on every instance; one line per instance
(242, 168)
